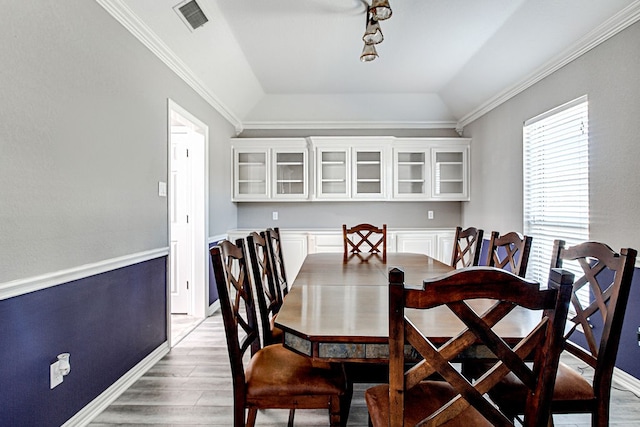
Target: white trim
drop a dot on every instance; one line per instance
(608, 29)
(279, 125)
(626, 381)
(36, 283)
(123, 14)
(217, 238)
(213, 307)
(107, 397)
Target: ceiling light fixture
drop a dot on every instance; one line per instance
(378, 11)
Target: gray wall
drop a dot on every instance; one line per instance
(610, 76)
(331, 215)
(83, 140)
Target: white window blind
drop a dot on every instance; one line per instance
(556, 183)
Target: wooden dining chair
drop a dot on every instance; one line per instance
(267, 293)
(410, 398)
(467, 245)
(364, 237)
(274, 377)
(607, 276)
(277, 261)
(509, 252)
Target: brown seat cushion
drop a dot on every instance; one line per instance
(570, 385)
(275, 370)
(420, 402)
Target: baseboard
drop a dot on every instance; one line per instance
(626, 381)
(106, 398)
(213, 307)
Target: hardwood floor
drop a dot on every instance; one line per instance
(192, 386)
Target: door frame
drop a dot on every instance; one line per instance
(199, 304)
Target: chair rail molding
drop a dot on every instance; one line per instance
(36, 283)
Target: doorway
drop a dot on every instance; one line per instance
(188, 228)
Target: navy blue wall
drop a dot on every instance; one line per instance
(108, 322)
(629, 352)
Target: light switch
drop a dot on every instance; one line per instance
(162, 189)
(274, 216)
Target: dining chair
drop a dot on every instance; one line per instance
(607, 276)
(467, 246)
(509, 251)
(274, 377)
(410, 398)
(277, 261)
(268, 295)
(364, 237)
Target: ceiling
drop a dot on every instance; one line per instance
(295, 63)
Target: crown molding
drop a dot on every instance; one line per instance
(280, 125)
(620, 21)
(125, 16)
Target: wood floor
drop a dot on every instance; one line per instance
(191, 386)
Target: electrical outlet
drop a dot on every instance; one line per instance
(274, 216)
(430, 214)
(55, 375)
(638, 336)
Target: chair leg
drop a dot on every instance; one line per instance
(334, 412)
(292, 413)
(345, 404)
(251, 417)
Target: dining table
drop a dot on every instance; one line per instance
(337, 309)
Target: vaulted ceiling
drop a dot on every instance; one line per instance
(295, 63)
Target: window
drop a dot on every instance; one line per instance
(556, 183)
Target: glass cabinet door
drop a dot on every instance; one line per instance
(410, 174)
(333, 170)
(251, 174)
(449, 169)
(290, 174)
(368, 173)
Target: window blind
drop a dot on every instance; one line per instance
(556, 183)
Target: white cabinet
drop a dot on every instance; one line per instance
(450, 173)
(354, 168)
(270, 169)
(351, 168)
(431, 169)
(297, 243)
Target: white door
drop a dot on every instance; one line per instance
(181, 227)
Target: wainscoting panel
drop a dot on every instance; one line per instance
(108, 322)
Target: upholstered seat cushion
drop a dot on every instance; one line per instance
(420, 402)
(570, 385)
(275, 370)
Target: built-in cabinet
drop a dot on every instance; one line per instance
(350, 168)
(296, 244)
(270, 169)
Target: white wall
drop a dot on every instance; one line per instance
(83, 140)
(610, 76)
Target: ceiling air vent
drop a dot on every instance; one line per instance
(191, 14)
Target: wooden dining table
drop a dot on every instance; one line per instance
(337, 310)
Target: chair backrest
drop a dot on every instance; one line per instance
(455, 290)
(237, 305)
(467, 246)
(277, 260)
(509, 252)
(267, 294)
(365, 237)
(608, 277)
